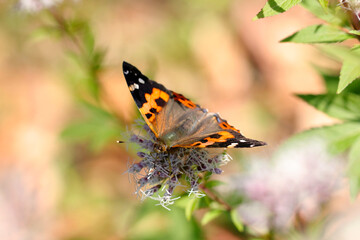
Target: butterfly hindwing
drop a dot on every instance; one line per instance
(223, 136)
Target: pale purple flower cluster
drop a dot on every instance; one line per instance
(297, 181)
(36, 5)
(33, 6)
(161, 170)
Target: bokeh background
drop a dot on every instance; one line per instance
(63, 178)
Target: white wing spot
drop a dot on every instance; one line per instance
(241, 140)
(136, 86)
(141, 81)
(126, 72)
(252, 145)
(233, 145)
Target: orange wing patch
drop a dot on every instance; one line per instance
(225, 125)
(183, 100)
(222, 136)
(154, 103)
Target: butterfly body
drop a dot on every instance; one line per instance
(177, 121)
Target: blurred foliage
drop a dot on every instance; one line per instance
(344, 103)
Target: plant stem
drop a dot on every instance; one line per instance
(214, 197)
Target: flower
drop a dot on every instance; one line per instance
(36, 5)
(163, 169)
(294, 185)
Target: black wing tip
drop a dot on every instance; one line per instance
(127, 66)
(261, 143)
(257, 143)
(250, 143)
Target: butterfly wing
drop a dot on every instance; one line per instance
(219, 134)
(150, 97)
(179, 122)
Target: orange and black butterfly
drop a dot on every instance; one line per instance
(178, 122)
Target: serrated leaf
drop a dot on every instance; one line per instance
(214, 183)
(354, 168)
(350, 70)
(332, 82)
(318, 34)
(210, 215)
(235, 218)
(191, 207)
(274, 7)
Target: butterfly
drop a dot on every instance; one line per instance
(176, 121)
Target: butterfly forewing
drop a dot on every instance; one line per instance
(150, 96)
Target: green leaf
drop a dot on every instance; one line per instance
(331, 15)
(340, 52)
(273, 7)
(350, 70)
(344, 106)
(96, 111)
(45, 32)
(97, 128)
(88, 39)
(354, 184)
(235, 218)
(318, 34)
(356, 32)
(191, 206)
(354, 168)
(214, 183)
(210, 215)
(338, 136)
(344, 143)
(324, 3)
(331, 79)
(207, 175)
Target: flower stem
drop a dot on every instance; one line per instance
(214, 197)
